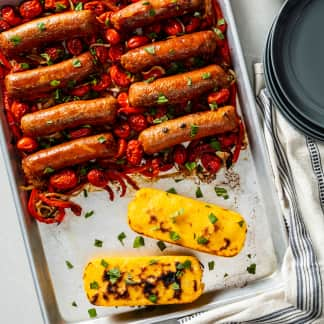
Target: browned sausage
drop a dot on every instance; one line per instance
(72, 114)
(35, 33)
(67, 154)
(179, 48)
(178, 88)
(189, 127)
(33, 82)
(144, 13)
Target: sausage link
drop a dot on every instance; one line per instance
(144, 13)
(68, 154)
(35, 33)
(189, 127)
(178, 88)
(33, 82)
(175, 49)
(68, 115)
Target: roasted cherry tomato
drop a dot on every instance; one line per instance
(219, 97)
(64, 180)
(115, 53)
(81, 132)
(80, 90)
(179, 154)
(122, 130)
(27, 144)
(74, 46)
(112, 36)
(211, 162)
(119, 76)
(134, 152)
(97, 178)
(137, 41)
(30, 9)
(19, 109)
(103, 84)
(9, 15)
(173, 27)
(137, 122)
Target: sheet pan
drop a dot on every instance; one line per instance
(251, 192)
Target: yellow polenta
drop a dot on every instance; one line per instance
(149, 280)
(187, 222)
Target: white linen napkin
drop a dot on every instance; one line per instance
(297, 165)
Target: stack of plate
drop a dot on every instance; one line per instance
(294, 65)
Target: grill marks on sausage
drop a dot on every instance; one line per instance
(201, 44)
(68, 115)
(207, 123)
(56, 27)
(174, 89)
(41, 80)
(144, 13)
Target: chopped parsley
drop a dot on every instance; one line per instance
(60, 7)
(89, 213)
(213, 106)
(92, 312)
(178, 180)
(76, 63)
(193, 130)
(212, 218)
(211, 265)
(146, 3)
(175, 286)
(221, 192)
(202, 240)
(182, 266)
(55, 83)
(104, 263)
(251, 268)
(191, 166)
(153, 261)
(171, 190)
(199, 193)
(177, 214)
(98, 243)
(79, 6)
(219, 33)
(85, 193)
(162, 99)
(189, 82)
(215, 145)
(206, 75)
(174, 236)
(152, 12)
(225, 274)
(150, 50)
(74, 304)
(161, 245)
(152, 298)
(47, 58)
(138, 242)
(48, 170)
(160, 120)
(149, 80)
(101, 139)
(114, 275)
(249, 256)
(15, 40)
(94, 285)
(121, 237)
(221, 22)
(24, 65)
(41, 26)
(69, 264)
(241, 223)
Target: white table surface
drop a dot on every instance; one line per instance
(18, 301)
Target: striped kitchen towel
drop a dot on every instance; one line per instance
(297, 165)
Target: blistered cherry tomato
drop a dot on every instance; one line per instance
(103, 84)
(55, 52)
(112, 36)
(137, 41)
(119, 77)
(211, 162)
(219, 97)
(64, 180)
(97, 7)
(173, 27)
(19, 109)
(97, 178)
(134, 152)
(137, 122)
(179, 154)
(27, 144)
(193, 24)
(80, 91)
(30, 9)
(10, 16)
(123, 99)
(102, 53)
(77, 133)
(122, 130)
(74, 46)
(115, 53)
(4, 25)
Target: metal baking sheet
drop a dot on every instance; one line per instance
(251, 189)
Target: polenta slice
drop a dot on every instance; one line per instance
(187, 222)
(149, 280)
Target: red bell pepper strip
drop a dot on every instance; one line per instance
(33, 199)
